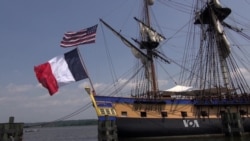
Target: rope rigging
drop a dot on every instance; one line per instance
(211, 69)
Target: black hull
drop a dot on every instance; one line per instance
(148, 127)
(132, 124)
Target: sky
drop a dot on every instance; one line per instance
(30, 34)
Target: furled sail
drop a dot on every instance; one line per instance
(151, 36)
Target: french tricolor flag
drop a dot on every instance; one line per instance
(61, 70)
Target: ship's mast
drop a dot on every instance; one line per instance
(223, 48)
(149, 46)
(148, 42)
(213, 16)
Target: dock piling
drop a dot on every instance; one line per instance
(11, 131)
(232, 124)
(107, 130)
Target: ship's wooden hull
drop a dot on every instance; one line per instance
(149, 127)
(175, 117)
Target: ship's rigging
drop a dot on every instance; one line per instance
(208, 72)
(145, 51)
(214, 67)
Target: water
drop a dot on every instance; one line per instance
(89, 133)
(77, 133)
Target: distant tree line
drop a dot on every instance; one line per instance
(85, 122)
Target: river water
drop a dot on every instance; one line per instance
(89, 133)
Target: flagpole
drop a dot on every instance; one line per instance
(91, 84)
(91, 94)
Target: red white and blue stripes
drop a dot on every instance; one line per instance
(84, 36)
(60, 70)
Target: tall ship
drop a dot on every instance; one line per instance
(212, 94)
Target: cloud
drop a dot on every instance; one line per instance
(29, 103)
(107, 89)
(13, 88)
(97, 86)
(163, 84)
(245, 73)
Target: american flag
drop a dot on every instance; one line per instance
(84, 36)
